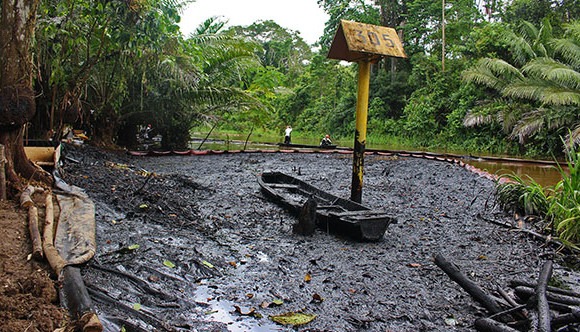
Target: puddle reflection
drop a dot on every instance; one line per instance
(223, 311)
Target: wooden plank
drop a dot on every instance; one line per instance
(43, 155)
(356, 41)
(359, 213)
(282, 185)
(369, 218)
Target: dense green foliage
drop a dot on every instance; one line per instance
(542, 78)
(501, 77)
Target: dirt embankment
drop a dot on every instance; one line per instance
(28, 296)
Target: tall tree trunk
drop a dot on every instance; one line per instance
(392, 13)
(105, 127)
(17, 104)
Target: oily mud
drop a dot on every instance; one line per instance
(189, 243)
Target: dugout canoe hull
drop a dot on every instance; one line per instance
(333, 214)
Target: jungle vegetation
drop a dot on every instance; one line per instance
(507, 80)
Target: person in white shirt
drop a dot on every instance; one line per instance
(287, 133)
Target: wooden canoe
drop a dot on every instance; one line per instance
(333, 214)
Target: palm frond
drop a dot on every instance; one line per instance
(473, 119)
(228, 62)
(493, 73)
(501, 67)
(208, 30)
(179, 5)
(573, 30)
(532, 123)
(483, 77)
(554, 71)
(542, 91)
(514, 112)
(553, 96)
(521, 48)
(546, 31)
(569, 50)
(561, 117)
(179, 72)
(528, 89)
(528, 31)
(540, 49)
(210, 99)
(574, 135)
(542, 42)
(494, 111)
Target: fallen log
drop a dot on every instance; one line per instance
(54, 259)
(520, 310)
(541, 298)
(536, 236)
(34, 232)
(25, 197)
(490, 325)
(148, 318)
(525, 293)
(27, 202)
(144, 285)
(561, 308)
(533, 321)
(552, 289)
(75, 297)
(562, 320)
(506, 297)
(469, 286)
(74, 248)
(511, 311)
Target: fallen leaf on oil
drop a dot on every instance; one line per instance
(293, 318)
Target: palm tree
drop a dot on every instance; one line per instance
(199, 82)
(540, 91)
(160, 78)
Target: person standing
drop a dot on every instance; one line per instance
(287, 134)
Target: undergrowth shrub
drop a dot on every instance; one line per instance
(564, 210)
(558, 206)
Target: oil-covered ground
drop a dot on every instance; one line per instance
(189, 243)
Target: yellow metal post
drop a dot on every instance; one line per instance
(363, 43)
(360, 134)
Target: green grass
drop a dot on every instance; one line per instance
(522, 196)
(564, 211)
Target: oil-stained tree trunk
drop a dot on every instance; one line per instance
(17, 104)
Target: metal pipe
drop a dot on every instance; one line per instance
(360, 134)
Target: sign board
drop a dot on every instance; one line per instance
(355, 41)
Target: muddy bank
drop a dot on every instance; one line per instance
(184, 240)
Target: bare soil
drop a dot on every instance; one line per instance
(28, 294)
(189, 243)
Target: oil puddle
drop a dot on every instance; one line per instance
(223, 311)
